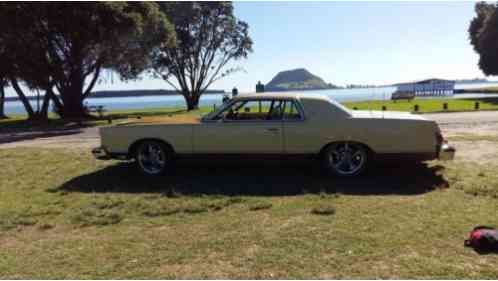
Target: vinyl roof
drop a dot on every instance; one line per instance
(276, 95)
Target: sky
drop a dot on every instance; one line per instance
(348, 43)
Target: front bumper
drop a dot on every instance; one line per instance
(447, 152)
(101, 153)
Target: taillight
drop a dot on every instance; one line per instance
(439, 141)
(439, 138)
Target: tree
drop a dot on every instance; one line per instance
(62, 48)
(208, 37)
(483, 35)
(3, 84)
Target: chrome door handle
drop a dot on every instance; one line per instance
(272, 129)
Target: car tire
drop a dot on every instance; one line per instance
(345, 159)
(153, 158)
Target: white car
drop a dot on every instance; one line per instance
(279, 125)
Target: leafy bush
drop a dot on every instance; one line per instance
(192, 209)
(96, 217)
(260, 205)
(10, 221)
(323, 209)
(161, 211)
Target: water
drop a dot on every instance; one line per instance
(340, 95)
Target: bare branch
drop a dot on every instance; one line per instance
(92, 82)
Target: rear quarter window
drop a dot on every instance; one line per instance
(322, 109)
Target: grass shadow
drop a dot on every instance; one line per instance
(35, 135)
(22, 125)
(262, 179)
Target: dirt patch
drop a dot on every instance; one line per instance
(476, 151)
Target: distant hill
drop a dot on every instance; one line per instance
(297, 79)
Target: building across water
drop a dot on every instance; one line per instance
(426, 88)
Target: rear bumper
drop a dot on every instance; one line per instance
(101, 153)
(446, 152)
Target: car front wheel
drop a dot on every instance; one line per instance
(345, 159)
(152, 157)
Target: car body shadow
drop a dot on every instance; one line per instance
(259, 179)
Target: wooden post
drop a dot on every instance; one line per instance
(416, 108)
(476, 105)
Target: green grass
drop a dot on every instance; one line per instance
(65, 215)
(490, 89)
(428, 105)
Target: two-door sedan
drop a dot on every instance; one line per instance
(283, 125)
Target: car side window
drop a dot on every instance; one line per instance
(291, 112)
(253, 110)
(229, 111)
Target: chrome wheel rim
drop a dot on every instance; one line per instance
(151, 158)
(346, 158)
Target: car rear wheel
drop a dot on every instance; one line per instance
(153, 158)
(345, 159)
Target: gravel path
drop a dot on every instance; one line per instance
(464, 117)
(463, 123)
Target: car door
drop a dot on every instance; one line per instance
(245, 127)
(300, 136)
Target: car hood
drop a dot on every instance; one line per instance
(163, 120)
(399, 115)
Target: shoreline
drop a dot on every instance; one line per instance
(125, 93)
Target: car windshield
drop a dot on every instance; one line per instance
(210, 115)
(339, 105)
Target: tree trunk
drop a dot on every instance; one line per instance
(57, 103)
(23, 98)
(192, 101)
(2, 102)
(73, 108)
(43, 113)
(72, 98)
